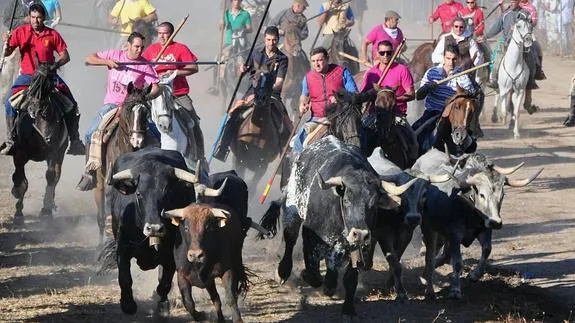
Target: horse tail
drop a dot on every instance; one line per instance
(270, 220)
(243, 276)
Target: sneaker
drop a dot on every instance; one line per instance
(87, 182)
(76, 148)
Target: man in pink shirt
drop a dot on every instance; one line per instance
(387, 31)
(117, 88)
(400, 80)
(446, 12)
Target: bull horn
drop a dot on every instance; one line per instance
(438, 178)
(210, 192)
(393, 189)
(508, 170)
(185, 176)
(333, 181)
(175, 213)
(220, 213)
(125, 174)
(522, 182)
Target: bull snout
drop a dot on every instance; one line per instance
(137, 140)
(494, 224)
(413, 219)
(196, 256)
(153, 230)
(459, 135)
(358, 236)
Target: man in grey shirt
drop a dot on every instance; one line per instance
(293, 15)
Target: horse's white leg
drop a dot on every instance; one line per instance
(518, 100)
(503, 102)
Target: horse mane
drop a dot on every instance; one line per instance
(40, 90)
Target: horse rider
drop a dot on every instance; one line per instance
(337, 16)
(446, 12)
(133, 15)
(117, 88)
(400, 81)
(529, 7)
(388, 31)
(436, 95)
(293, 15)
(237, 22)
(266, 57)
(178, 52)
(469, 55)
(319, 87)
(37, 44)
(53, 12)
(473, 15)
(505, 25)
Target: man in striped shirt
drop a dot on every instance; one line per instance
(437, 94)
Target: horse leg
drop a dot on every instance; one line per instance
(495, 118)
(52, 178)
(20, 187)
(100, 199)
(518, 100)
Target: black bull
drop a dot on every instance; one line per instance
(335, 194)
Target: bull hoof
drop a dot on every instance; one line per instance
(163, 308)
(455, 293)
(474, 275)
(128, 306)
(199, 316)
(314, 281)
(18, 219)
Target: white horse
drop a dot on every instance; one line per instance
(513, 74)
(172, 134)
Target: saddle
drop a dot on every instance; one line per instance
(100, 137)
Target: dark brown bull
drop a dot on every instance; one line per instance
(210, 246)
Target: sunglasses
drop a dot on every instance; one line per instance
(470, 2)
(385, 53)
(458, 27)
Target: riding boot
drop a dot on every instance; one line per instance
(539, 74)
(528, 104)
(6, 147)
(72, 120)
(88, 180)
(570, 120)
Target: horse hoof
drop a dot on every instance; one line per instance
(45, 212)
(314, 281)
(474, 276)
(283, 273)
(163, 308)
(128, 306)
(198, 316)
(18, 220)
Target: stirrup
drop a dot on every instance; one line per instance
(87, 182)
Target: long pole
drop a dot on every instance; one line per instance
(221, 47)
(355, 59)
(277, 167)
(233, 98)
(171, 38)
(319, 30)
(449, 78)
(5, 46)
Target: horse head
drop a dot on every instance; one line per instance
(522, 31)
(384, 107)
(459, 110)
(41, 107)
(345, 117)
(134, 116)
(163, 106)
(263, 83)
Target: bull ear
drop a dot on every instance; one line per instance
(131, 88)
(389, 202)
(176, 216)
(125, 182)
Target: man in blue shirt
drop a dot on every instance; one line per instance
(437, 94)
(53, 12)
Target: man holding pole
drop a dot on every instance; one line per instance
(318, 91)
(436, 95)
(119, 77)
(177, 52)
(388, 31)
(473, 16)
(37, 44)
(294, 15)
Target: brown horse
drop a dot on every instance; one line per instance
(130, 135)
(264, 129)
(297, 68)
(453, 128)
(42, 135)
(421, 61)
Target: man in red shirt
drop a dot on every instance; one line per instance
(177, 52)
(446, 12)
(473, 16)
(36, 41)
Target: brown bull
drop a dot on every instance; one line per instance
(210, 246)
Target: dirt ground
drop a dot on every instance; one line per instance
(47, 268)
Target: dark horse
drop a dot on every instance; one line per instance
(130, 135)
(264, 129)
(297, 67)
(42, 135)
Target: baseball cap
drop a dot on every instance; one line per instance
(392, 14)
(302, 2)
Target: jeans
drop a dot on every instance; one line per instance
(24, 80)
(301, 135)
(105, 109)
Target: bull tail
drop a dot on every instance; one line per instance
(244, 274)
(270, 220)
(107, 257)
